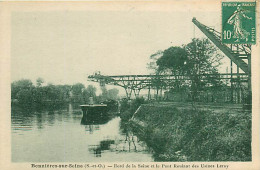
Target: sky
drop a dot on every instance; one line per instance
(64, 47)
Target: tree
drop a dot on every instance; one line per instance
(112, 93)
(191, 60)
(25, 97)
(65, 91)
(77, 88)
(104, 94)
(19, 85)
(39, 82)
(90, 91)
(52, 92)
(203, 58)
(174, 60)
(25, 94)
(152, 65)
(77, 91)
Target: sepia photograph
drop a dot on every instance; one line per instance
(129, 81)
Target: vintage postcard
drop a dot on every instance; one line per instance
(129, 85)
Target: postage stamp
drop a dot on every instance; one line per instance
(238, 22)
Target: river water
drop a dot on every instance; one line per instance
(59, 136)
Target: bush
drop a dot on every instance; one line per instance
(128, 107)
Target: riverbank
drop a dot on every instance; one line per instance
(189, 132)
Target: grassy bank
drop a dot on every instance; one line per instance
(191, 134)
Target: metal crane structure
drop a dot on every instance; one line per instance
(135, 83)
(238, 54)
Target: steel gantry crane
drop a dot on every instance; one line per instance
(240, 54)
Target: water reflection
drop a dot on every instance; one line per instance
(96, 119)
(103, 146)
(91, 128)
(58, 136)
(24, 119)
(126, 142)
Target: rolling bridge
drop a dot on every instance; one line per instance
(240, 54)
(135, 83)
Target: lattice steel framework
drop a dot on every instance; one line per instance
(134, 83)
(240, 54)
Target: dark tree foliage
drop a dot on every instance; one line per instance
(113, 93)
(25, 94)
(192, 60)
(90, 91)
(39, 82)
(153, 59)
(77, 88)
(173, 59)
(77, 93)
(203, 57)
(19, 85)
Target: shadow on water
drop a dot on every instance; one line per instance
(96, 119)
(103, 146)
(126, 142)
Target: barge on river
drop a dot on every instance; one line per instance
(94, 114)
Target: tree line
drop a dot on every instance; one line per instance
(25, 93)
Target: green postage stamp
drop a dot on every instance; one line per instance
(238, 22)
